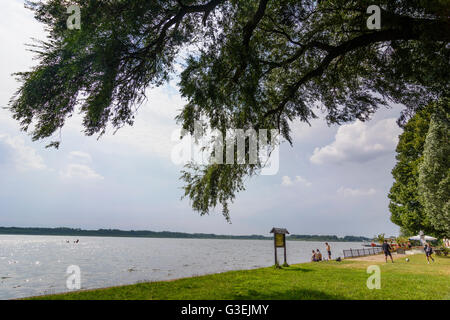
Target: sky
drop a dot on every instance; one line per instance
(334, 180)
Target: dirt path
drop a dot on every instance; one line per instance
(378, 257)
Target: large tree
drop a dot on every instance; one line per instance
(406, 208)
(254, 64)
(434, 171)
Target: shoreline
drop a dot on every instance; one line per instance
(130, 261)
(312, 276)
(157, 281)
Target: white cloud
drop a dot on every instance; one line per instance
(80, 156)
(287, 181)
(149, 135)
(359, 142)
(349, 192)
(302, 180)
(80, 171)
(316, 129)
(24, 157)
(152, 131)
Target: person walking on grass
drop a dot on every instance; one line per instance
(328, 250)
(387, 250)
(428, 252)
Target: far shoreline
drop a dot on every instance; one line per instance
(186, 238)
(115, 233)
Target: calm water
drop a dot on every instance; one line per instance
(35, 265)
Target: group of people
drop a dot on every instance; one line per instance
(317, 255)
(76, 241)
(387, 251)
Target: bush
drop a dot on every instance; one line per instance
(444, 250)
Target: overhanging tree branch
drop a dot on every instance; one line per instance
(410, 29)
(247, 34)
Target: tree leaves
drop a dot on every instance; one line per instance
(421, 191)
(406, 209)
(434, 171)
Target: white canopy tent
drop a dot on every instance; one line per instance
(422, 238)
(427, 238)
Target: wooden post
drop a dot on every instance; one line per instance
(275, 248)
(279, 240)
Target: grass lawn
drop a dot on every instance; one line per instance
(324, 280)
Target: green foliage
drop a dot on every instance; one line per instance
(434, 171)
(405, 206)
(445, 250)
(402, 241)
(419, 196)
(255, 64)
(380, 238)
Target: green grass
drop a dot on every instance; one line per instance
(324, 280)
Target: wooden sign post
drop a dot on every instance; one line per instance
(279, 241)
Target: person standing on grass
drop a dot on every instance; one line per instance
(428, 252)
(328, 250)
(387, 250)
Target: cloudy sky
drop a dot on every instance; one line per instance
(334, 180)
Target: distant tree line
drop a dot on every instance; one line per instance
(331, 238)
(161, 234)
(119, 233)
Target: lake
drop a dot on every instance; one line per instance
(36, 265)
